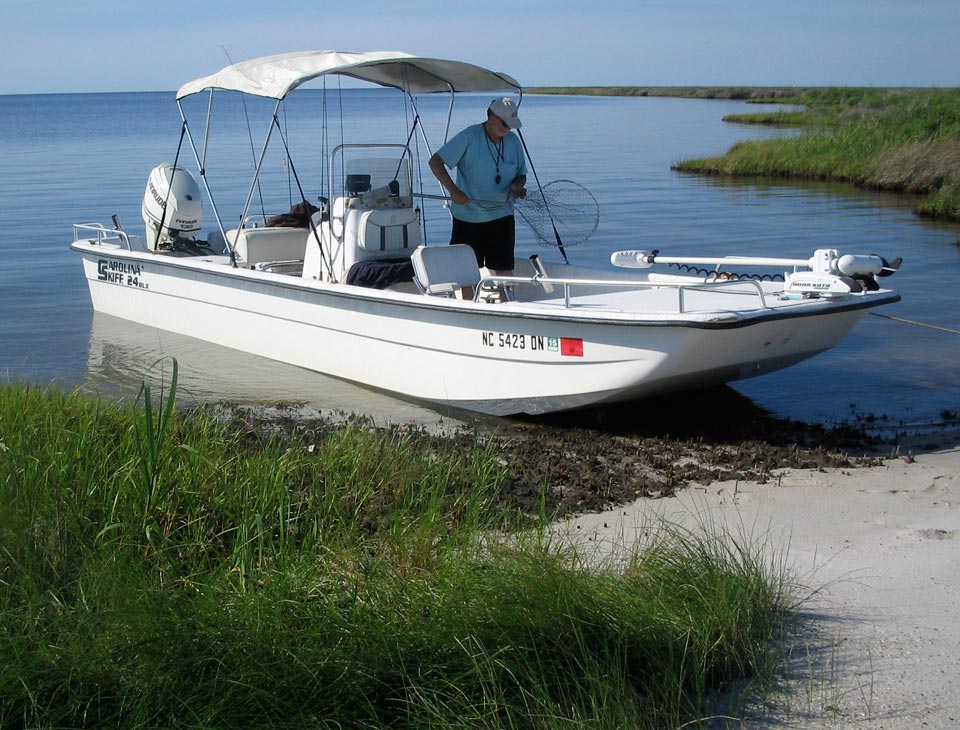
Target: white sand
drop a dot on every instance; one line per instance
(884, 545)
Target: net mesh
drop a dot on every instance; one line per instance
(562, 204)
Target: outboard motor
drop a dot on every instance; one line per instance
(175, 190)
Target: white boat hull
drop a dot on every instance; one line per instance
(524, 357)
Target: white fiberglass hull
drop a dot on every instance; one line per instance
(524, 357)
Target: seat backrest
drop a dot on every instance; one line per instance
(445, 269)
(363, 234)
(392, 232)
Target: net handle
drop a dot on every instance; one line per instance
(536, 177)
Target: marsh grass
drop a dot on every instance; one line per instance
(899, 140)
(166, 569)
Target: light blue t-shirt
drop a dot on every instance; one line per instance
(478, 162)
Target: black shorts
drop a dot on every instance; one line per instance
(493, 242)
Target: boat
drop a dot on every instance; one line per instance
(353, 289)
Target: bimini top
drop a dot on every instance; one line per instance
(276, 76)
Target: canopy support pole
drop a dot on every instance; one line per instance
(256, 174)
(203, 179)
(303, 197)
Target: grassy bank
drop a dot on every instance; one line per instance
(905, 141)
(160, 569)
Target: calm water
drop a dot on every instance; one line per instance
(71, 158)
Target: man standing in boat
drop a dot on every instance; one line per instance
(491, 167)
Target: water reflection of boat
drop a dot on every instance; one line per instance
(122, 353)
(556, 340)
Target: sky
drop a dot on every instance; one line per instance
(57, 46)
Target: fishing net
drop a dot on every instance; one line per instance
(562, 210)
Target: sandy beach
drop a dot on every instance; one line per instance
(879, 548)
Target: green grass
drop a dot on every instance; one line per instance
(167, 569)
(773, 119)
(895, 140)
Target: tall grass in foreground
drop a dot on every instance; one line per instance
(168, 570)
(896, 140)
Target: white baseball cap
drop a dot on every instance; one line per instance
(506, 109)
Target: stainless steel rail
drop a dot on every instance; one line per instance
(101, 233)
(568, 284)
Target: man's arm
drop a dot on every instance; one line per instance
(439, 170)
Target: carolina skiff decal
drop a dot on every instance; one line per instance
(567, 346)
(119, 272)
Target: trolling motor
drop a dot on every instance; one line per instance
(834, 275)
(829, 274)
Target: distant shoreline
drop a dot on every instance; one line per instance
(749, 93)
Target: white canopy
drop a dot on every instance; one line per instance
(276, 76)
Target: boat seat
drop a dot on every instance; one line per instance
(260, 245)
(445, 269)
(388, 232)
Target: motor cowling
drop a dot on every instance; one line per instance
(172, 207)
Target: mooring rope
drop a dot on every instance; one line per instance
(919, 324)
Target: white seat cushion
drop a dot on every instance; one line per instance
(392, 231)
(445, 269)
